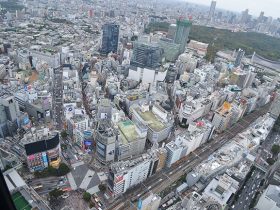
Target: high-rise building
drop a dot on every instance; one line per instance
(244, 16)
(42, 149)
(182, 33)
(239, 57)
(146, 55)
(212, 10)
(275, 106)
(110, 38)
(261, 17)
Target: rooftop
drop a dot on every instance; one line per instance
(128, 131)
(151, 119)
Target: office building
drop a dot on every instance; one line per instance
(131, 140)
(42, 148)
(270, 199)
(182, 33)
(110, 38)
(126, 174)
(105, 138)
(9, 115)
(212, 11)
(171, 31)
(171, 50)
(146, 55)
(239, 57)
(158, 121)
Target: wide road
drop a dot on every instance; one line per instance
(163, 179)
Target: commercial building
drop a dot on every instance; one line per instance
(42, 149)
(170, 49)
(175, 150)
(77, 122)
(105, 138)
(131, 140)
(149, 202)
(222, 117)
(182, 33)
(110, 38)
(104, 109)
(158, 121)
(126, 174)
(221, 189)
(270, 199)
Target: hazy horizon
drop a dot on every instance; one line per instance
(269, 7)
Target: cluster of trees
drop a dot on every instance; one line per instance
(51, 171)
(264, 45)
(55, 193)
(275, 151)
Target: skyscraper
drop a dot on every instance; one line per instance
(212, 10)
(239, 57)
(110, 38)
(146, 55)
(182, 33)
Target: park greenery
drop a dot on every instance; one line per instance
(86, 196)
(55, 193)
(102, 188)
(63, 134)
(218, 39)
(51, 171)
(275, 149)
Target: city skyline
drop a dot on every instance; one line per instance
(270, 7)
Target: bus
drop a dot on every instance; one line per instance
(38, 186)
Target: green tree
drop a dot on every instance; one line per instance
(270, 161)
(55, 193)
(63, 134)
(86, 196)
(63, 169)
(102, 187)
(275, 149)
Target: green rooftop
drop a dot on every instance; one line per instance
(20, 202)
(151, 119)
(128, 131)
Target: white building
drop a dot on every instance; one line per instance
(125, 174)
(175, 150)
(270, 199)
(221, 189)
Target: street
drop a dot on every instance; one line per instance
(58, 98)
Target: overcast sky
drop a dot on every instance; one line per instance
(270, 7)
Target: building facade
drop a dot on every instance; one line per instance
(110, 38)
